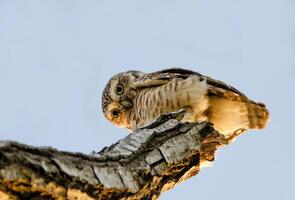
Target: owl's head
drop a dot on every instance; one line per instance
(117, 98)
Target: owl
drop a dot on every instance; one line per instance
(134, 99)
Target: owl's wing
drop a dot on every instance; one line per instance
(161, 77)
(216, 87)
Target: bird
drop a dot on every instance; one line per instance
(134, 99)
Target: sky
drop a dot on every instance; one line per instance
(57, 56)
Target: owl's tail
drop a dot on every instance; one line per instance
(258, 115)
(229, 116)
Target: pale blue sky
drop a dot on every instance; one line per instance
(57, 55)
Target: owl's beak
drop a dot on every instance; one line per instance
(126, 102)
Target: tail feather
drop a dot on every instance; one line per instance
(258, 115)
(229, 116)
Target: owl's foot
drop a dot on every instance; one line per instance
(178, 115)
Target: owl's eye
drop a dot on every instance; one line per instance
(120, 89)
(115, 113)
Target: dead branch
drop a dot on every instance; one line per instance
(139, 166)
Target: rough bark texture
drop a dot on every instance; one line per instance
(139, 166)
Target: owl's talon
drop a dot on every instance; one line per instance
(178, 115)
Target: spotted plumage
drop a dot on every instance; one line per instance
(134, 99)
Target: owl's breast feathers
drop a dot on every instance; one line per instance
(189, 93)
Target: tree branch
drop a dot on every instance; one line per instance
(139, 166)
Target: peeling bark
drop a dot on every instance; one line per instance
(139, 166)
